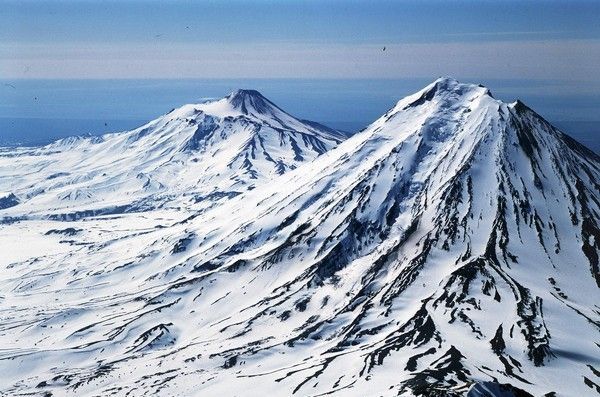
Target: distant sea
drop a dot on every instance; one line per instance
(37, 112)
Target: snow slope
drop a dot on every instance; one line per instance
(196, 154)
(449, 249)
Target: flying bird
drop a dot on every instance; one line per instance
(383, 48)
(10, 85)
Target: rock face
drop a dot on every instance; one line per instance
(449, 249)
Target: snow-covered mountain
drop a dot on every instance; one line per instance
(449, 249)
(198, 153)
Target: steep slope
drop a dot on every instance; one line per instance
(198, 153)
(451, 248)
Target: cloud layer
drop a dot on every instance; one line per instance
(570, 59)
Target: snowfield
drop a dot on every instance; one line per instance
(228, 248)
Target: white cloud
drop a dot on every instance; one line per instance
(548, 59)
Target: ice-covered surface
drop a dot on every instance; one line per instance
(449, 249)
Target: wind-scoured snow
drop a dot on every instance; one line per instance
(449, 249)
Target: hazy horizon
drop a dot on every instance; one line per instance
(267, 39)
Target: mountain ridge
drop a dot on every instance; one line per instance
(455, 238)
(212, 149)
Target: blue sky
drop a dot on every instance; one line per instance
(558, 40)
(71, 67)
